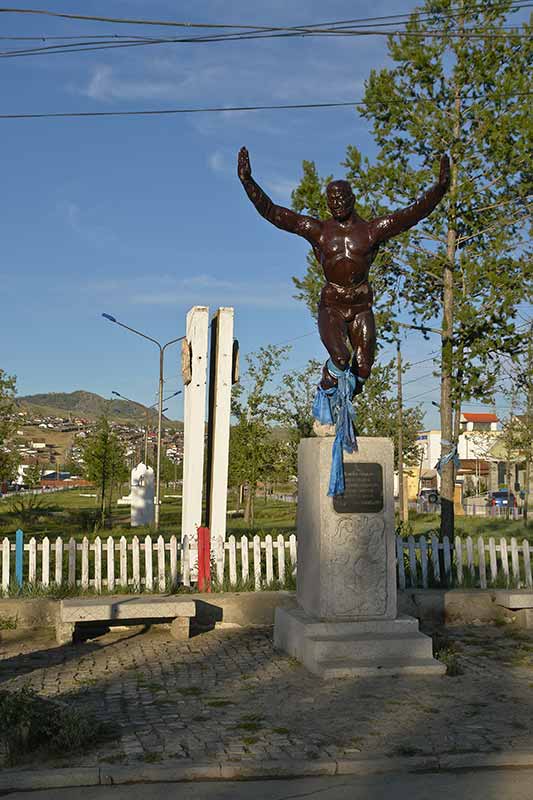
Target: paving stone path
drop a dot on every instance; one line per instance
(227, 695)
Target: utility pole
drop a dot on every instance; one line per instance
(404, 509)
(529, 423)
(146, 438)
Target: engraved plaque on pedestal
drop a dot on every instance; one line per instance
(363, 489)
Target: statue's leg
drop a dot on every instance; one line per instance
(332, 329)
(362, 333)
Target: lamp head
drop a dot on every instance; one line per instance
(109, 317)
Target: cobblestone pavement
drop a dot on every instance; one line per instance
(227, 695)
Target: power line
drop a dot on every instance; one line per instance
(204, 110)
(225, 26)
(91, 46)
(238, 32)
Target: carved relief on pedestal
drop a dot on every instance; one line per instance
(357, 567)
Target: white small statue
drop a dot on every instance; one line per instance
(142, 495)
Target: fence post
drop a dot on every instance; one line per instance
(244, 558)
(232, 560)
(399, 559)
(435, 557)
(204, 560)
(459, 559)
(6, 550)
(19, 556)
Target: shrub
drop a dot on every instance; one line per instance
(30, 723)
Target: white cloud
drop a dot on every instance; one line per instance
(88, 230)
(107, 84)
(218, 163)
(198, 289)
(281, 187)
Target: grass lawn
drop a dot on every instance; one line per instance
(471, 526)
(69, 514)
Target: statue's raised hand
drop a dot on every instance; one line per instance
(244, 170)
(444, 174)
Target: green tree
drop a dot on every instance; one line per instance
(291, 406)
(104, 462)
(32, 476)
(8, 457)
(466, 94)
(377, 414)
(253, 450)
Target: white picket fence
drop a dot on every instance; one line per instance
(158, 565)
(464, 563)
(153, 565)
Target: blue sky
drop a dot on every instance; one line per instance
(144, 217)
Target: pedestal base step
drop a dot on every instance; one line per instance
(349, 648)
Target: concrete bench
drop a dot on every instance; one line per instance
(520, 601)
(125, 609)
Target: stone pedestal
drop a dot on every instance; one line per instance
(346, 620)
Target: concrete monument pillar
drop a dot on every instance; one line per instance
(194, 421)
(220, 382)
(345, 622)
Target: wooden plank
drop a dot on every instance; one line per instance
(293, 553)
(148, 564)
(423, 560)
(257, 563)
(136, 563)
(399, 559)
(123, 561)
(481, 561)
(19, 556)
(220, 552)
(85, 563)
(185, 561)
(232, 561)
(493, 559)
(32, 561)
(527, 562)
(447, 560)
(110, 553)
(97, 565)
(515, 562)
(245, 568)
(459, 560)
(504, 557)
(281, 559)
(6, 558)
(59, 561)
(470, 557)
(435, 557)
(161, 575)
(173, 561)
(413, 572)
(71, 579)
(269, 556)
(45, 575)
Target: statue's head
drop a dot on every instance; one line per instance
(340, 199)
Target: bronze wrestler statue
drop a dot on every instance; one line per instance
(345, 246)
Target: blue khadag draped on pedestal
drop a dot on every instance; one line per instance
(334, 407)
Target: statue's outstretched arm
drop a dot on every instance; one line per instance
(281, 217)
(383, 228)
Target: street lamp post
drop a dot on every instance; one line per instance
(162, 348)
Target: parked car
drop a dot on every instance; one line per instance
(502, 498)
(429, 496)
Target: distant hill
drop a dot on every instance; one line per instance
(87, 405)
